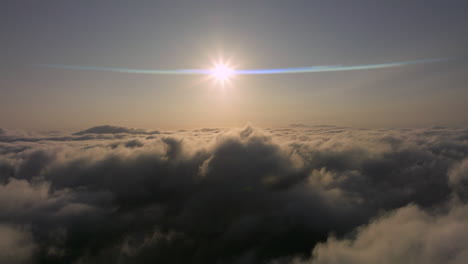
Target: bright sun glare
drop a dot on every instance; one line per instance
(222, 73)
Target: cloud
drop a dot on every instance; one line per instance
(406, 235)
(16, 245)
(217, 195)
(458, 179)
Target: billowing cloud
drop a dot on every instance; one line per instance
(16, 245)
(458, 179)
(406, 235)
(229, 196)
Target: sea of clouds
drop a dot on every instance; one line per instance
(297, 194)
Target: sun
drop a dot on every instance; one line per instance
(222, 73)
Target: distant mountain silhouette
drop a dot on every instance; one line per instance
(106, 129)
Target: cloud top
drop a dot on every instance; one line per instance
(281, 195)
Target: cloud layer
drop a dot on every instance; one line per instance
(280, 195)
(406, 235)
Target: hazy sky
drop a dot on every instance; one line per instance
(254, 34)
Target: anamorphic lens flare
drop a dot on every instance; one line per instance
(222, 72)
(332, 68)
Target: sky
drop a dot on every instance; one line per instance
(251, 35)
(363, 160)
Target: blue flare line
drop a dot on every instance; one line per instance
(124, 70)
(333, 68)
(329, 68)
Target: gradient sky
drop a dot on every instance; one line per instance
(254, 34)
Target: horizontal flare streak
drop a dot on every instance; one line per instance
(330, 68)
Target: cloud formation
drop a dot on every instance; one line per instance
(16, 245)
(232, 195)
(406, 235)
